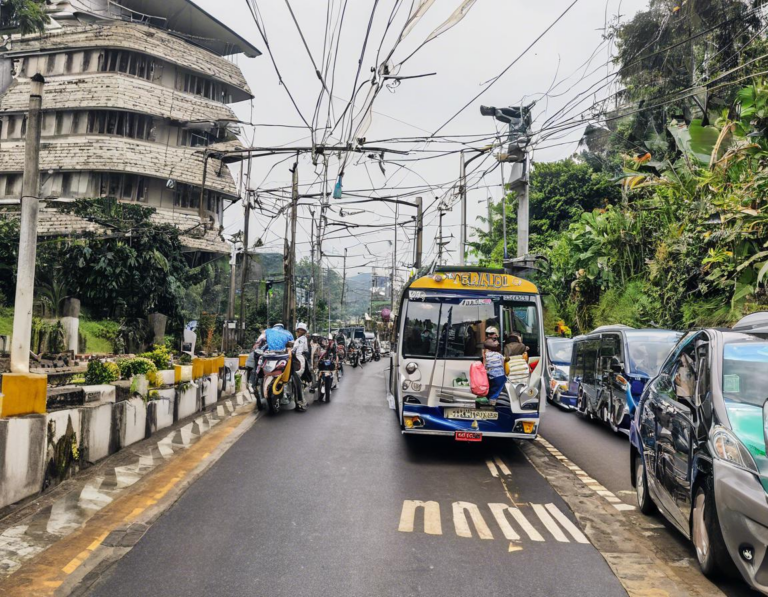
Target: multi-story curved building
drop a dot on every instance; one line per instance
(137, 95)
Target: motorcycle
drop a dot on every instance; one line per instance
(326, 369)
(341, 350)
(376, 352)
(354, 354)
(366, 354)
(276, 384)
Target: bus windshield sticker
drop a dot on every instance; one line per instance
(417, 295)
(476, 302)
(524, 298)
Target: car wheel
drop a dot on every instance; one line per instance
(644, 500)
(613, 415)
(707, 537)
(581, 402)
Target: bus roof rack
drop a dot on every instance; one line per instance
(756, 323)
(611, 328)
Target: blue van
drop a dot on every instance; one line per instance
(610, 367)
(559, 354)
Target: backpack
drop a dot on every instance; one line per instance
(478, 379)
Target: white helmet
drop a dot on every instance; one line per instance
(302, 326)
(330, 336)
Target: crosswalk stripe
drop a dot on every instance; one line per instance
(501, 519)
(432, 522)
(504, 469)
(566, 523)
(532, 533)
(548, 522)
(461, 523)
(492, 468)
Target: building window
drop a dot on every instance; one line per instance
(186, 196)
(11, 183)
(86, 61)
(124, 124)
(133, 63)
(23, 127)
(195, 138)
(127, 187)
(203, 87)
(50, 64)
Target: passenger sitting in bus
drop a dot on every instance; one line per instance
(494, 365)
(513, 346)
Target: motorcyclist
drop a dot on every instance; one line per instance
(301, 351)
(328, 352)
(276, 338)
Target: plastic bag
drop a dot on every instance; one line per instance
(478, 379)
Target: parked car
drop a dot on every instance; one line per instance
(559, 353)
(610, 368)
(699, 450)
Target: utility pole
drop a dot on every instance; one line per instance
(440, 235)
(394, 266)
(523, 209)
(463, 229)
(344, 287)
(30, 209)
(419, 232)
(313, 281)
(289, 256)
(244, 276)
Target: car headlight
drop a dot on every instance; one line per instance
(728, 447)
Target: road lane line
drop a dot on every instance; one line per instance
(504, 469)
(461, 523)
(499, 511)
(432, 522)
(520, 518)
(595, 486)
(566, 523)
(549, 522)
(492, 468)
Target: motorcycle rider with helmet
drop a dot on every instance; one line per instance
(302, 353)
(277, 339)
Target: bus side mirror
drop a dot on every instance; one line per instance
(617, 366)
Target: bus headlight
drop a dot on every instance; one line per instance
(411, 368)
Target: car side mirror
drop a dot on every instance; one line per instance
(616, 365)
(765, 421)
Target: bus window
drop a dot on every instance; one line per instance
(463, 328)
(420, 331)
(577, 368)
(611, 347)
(590, 361)
(522, 319)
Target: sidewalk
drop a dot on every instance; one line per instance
(41, 523)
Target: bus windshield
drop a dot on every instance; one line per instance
(455, 327)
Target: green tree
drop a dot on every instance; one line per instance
(26, 15)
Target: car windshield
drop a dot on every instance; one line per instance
(560, 350)
(745, 372)
(649, 350)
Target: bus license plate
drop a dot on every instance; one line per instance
(468, 414)
(468, 436)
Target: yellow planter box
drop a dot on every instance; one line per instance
(23, 394)
(198, 368)
(221, 362)
(182, 373)
(243, 359)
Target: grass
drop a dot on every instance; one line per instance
(88, 328)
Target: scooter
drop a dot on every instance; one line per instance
(354, 354)
(275, 383)
(376, 352)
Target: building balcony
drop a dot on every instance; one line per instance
(116, 91)
(138, 38)
(100, 153)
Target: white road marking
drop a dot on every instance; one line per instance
(461, 523)
(548, 522)
(532, 533)
(566, 523)
(499, 511)
(500, 463)
(432, 522)
(492, 468)
(586, 479)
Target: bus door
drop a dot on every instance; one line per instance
(522, 320)
(462, 332)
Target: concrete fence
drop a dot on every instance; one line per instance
(40, 448)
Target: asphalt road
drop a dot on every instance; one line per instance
(320, 504)
(591, 445)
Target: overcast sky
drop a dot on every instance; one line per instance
(492, 34)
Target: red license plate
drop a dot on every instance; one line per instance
(468, 436)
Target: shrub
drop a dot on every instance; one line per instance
(161, 356)
(101, 372)
(137, 366)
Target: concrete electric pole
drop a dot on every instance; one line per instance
(419, 232)
(30, 209)
(289, 255)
